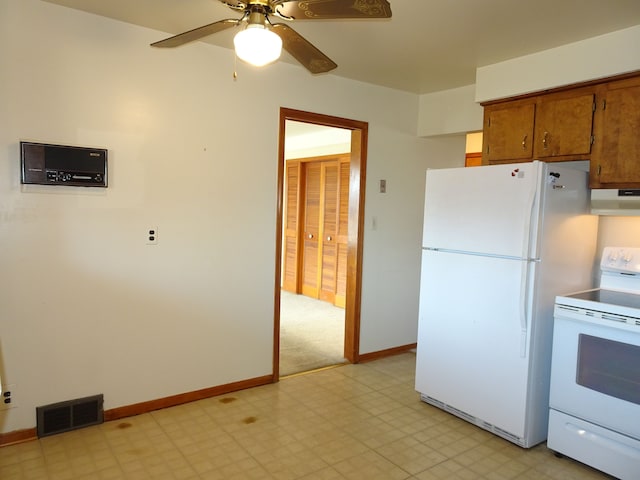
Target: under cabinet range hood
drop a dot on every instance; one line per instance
(615, 202)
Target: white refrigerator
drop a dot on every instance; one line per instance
(499, 243)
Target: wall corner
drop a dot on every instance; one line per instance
(448, 112)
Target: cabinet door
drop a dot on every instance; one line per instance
(508, 132)
(616, 158)
(564, 126)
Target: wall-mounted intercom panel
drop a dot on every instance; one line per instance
(47, 164)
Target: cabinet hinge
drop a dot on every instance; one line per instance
(594, 107)
(604, 104)
(599, 170)
(593, 139)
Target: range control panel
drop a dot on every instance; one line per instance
(621, 259)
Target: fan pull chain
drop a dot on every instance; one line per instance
(235, 66)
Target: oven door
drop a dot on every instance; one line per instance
(595, 370)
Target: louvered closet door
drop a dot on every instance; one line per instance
(329, 201)
(342, 236)
(290, 227)
(311, 232)
(316, 218)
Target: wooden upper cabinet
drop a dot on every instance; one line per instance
(508, 132)
(597, 121)
(563, 126)
(615, 162)
(550, 127)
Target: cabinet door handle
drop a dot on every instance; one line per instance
(524, 142)
(329, 238)
(310, 236)
(544, 139)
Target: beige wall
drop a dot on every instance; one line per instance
(617, 231)
(86, 306)
(457, 111)
(449, 112)
(597, 57)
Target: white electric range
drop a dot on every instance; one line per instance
(595, 371)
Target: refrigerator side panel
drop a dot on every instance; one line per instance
(568, 232)
(483, 209)
(469, 337)
(566, 247)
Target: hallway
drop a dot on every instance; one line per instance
(311, 334)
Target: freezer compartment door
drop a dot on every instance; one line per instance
(489, 209)
(471, 335)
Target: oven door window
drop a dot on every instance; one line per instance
(609, 367)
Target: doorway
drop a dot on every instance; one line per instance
(314, 247)
(356, 178)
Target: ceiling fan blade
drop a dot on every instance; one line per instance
(195, 34)
(234, 4)
(327, 9)
(302, 50)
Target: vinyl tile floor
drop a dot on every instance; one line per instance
(348, 422)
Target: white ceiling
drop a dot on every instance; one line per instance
(300, 136)
(428, 45)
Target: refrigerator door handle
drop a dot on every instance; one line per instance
(526, 254)
(524, 311)
(530, 206)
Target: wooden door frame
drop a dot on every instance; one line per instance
(357, 177)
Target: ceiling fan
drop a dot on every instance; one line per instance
(260, 41)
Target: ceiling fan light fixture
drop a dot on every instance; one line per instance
(257, 45)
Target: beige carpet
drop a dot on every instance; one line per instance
(311, 334)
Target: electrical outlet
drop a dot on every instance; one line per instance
(152, 236)
(8, 397)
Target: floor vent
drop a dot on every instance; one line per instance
(70, 415)
(477, 421)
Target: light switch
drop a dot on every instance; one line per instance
(383, 186)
